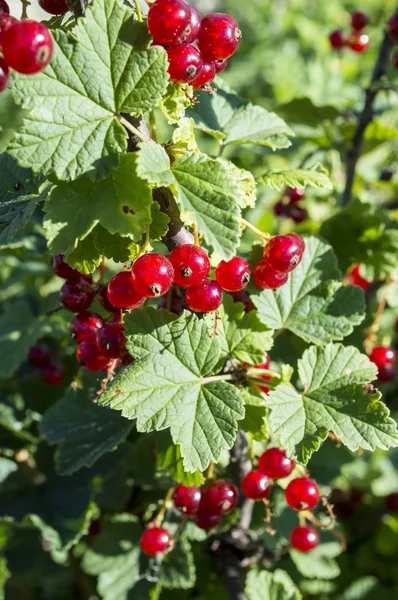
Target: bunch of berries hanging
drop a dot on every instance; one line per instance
(281, 255)
(289, 206)
(357, 40)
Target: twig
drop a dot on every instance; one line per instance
(195, 235)
(165, 505)
(261, 234)
(133, 129)
(25, 5)
(106, 380)
(138, 10)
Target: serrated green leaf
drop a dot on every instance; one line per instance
(175, 101)
(153, 164)
(101, 70)
(16, 218)
(304, 112)
(334, 398)
(320, 563)
(167, 387)
(246, 183)
(160, 223)
(14, 180)
(11, 117)
(183, 139)
(255, 423)
(267, 585)
(312, 304)
(169, 458)
(177, 570)
(298, 178)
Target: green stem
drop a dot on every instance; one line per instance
(138, 11)
(264, 236)
(226, 377)
(25, 4)
(152, 125)
(133, 130)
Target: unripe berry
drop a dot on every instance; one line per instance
(359, 20)
(284, 253)
(4, 75)
(358, 41)
(233, 275)
(152, 275)
(111, 340)
(205, 297)
(219, 37)
(187, 499)
(302, 493)
(122, 293)
(85, 325)
(185, 63)
(220, 498)
(337, 39)
(275, 464)
(256, 486)
(266, 277)
(39, 355)
(54, 7)
(205, 77)
(76, 296)
(191, 265)
(89, 356)
(304, 538)
(393, 27)
(27, 47)
(155, 540)
(169, 21)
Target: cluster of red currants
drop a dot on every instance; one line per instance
(358, 40)
(393, 31)
(52, 372)
(26, 46)
(176, 25)
(288, 206)
(282, 254)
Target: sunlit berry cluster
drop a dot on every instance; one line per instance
(282, 254)
(357, 40)
(289, 205)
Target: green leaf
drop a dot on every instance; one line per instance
(153, 164)
(11, 117)
(312, 304)
(335, 398)
(304, 112)
(15, 216)
(177, 570)
(167, 387)
(298, 178)
(320, 563)
(255, 422)
(99, 71)
(183, 139)
(14, 180)
(175, 102)
(169, 458)
(246, 182)
(265, 585)
(160, 223)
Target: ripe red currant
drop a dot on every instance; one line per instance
(95, 528)
(220, 498)
(205, 77)
(298, 214)
(304, 538)
(359, 20)
(355, 278)
(302, 493)
(281, 209)
(394, 61)
(105, 302)
(256, 486)
(220, 65)
(76, 296)
(39, 355)
(266, 278)
(27, 46)
(152, 275)
(185, 63)
(383, 356)
(85, 325)
(4, 75)
(54, 7)
(194, 26)
(207, 520)
(169, 21)
(205, 297)
(233, 275)
(337, 39)
(295, 194)
(275, 464)
(187, 499)
(299, 240)
(391, 502)
(53, 373)
(4, 8)
(393, 27)
(155, 540)
(358, 41)
(5, 23)
(62, 269)
(111, 340)
(88, 356)
(284, 253)
(191, 265)
(219, 37)
(122, 293)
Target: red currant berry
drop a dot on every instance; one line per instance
(54, 7)
(155, 540)
(284, 252)
(105, 302)
(191, 265)
(256, 486)
(302, 494)
(152, 275)
(53, 373)
(220, 498)
(76, 296)
(219, 37)
(220, 65)
(127, 359)
(245, 299)
(266, 278)
(275, 464)
(4, 8)
(304, 538)
(5, 23)
(111, 340)
(88, 356)
(95, 528)
(382, 357)
(4, 75)
(194, 26)
(169, 21)
(391, 501)
(187, 499)
(205, 77)
(233, 275)
(359, 20)
(393, 27)
(394, 61)
(355, 278)
(85, 325)
(298, 214)
(207, 520)
(337, 39)
(281, 209)
(27, 47)
(264, 365)
(295, 194)
(62, 269)
(205, 297)
(358, 41)
(122, 293)
(185, 63)
(39, 355)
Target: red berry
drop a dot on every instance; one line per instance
(76, 296)
(337, 39)
(264, 365)
(194, 26)
(382, 357)
(5, 23)
(95, 528)
(122, 293)
(267, 278)
(39, 355)
(355, 278)
(4, 75)
(105, 302)
(88, 356)
(185, 63)
(111, 340)
(295, 194)
(62, 269)
(299, 240)
(85, 325)
(205, 77)
(220, 65)
(205, 297)
(155, 540)
(393, 27)
(220, 498)
(359, 20)
(54, 7)
(304, 538)
(298, 214)
(27, 46)
(191, 265)
(152, 275)
(187, 499)
(207, 520)
(53, 373)
(391, 501)
(284, 253)
(4, 8)
(233, 275)
(256, 485)
(394, 61)
(302, 493)
(169, 21)
(219, 37)
(358, 41)
(281, 209)
(275, 464)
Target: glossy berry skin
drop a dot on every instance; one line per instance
(122, 293)
(191, 265)
(205, 77)
(187, 499)
(284, 253)
(88, 356)
(169, 21)
(76, 296)
(382, 357)
(5, 23)
(62, 269)
(194, 26)
(304, 538)
(393, 27)
(207, 520)
(155, 540)
(111, 340)
(359, 20)
(358, 41)
(53, 373)
(205, 297)
(394, 61)
(152, 275)
(391, 502)
(220, 65)
(233, 275)
(295, 194)
(39, 355)
(105, 302)
(219, 37)
(264, 365)
(337, 39)
(275, 464)
(220, 498)
(85, 325)
(256, 486)
(355, 278)
(27, 47)
(185, 63)
(299, 240)
(302, 493)
(4, 8)
(4, 75)
(54, 7)
(266, 278)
